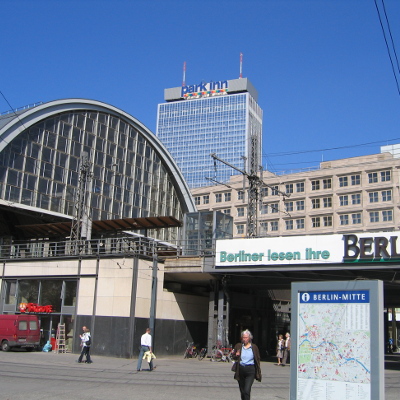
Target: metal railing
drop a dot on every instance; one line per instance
(128, 246)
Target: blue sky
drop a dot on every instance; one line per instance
(321, 67)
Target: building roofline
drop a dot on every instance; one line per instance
(31, 116)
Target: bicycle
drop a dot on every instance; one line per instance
(223, 354)
(202, 353)
(191, 350)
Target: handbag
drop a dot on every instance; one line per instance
(233, 369)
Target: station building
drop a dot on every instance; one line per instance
(75, 155)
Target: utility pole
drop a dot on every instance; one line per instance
(78, 229)
(255, 182)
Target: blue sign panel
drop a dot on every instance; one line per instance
(347, 296)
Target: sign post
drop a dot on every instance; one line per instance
(337, 337)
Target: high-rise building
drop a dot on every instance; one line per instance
(221, 118)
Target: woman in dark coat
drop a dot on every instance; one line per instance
(247, 367)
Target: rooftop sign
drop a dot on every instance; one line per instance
(204, 90)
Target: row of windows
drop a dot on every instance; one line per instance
(325, 202)
(324, 221)
(373, 177)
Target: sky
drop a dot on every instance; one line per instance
(321, 67)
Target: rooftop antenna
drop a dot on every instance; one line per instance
(184, 74)
(241, 65)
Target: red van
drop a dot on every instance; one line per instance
(20, 330)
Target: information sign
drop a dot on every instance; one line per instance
(336, 324)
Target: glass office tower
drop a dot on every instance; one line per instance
(216, 117)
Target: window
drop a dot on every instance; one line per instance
(23, 325)
(327, 183)
(240, 229)
(274, 208)
(240, 212)
(372, 177)
(374, 216)
(274, 225)
(228, 196)
(289, 206)
(263, 227)
(206, 199)
(356, 198)
(344, 219)
(387, 215)
(10, 292)
(218, 197)
(264, 192)
(356, 218)
(355, 180)
(344, 200)
(227, 211)
(264, 209)
(300, 223)
(316, 222)
(373, 197)
(385, 176)
(328, 220)
(315, 185)
(343, 181)
(240, 195)
(300, 187)
(299, 205)
(274, 190)
(327, 202)
(386, 195)
(315, 203)
(197, 200)
(289, 225)
(289, 188)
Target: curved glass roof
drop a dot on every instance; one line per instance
(131, 174)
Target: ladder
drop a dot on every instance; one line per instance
(60, 339)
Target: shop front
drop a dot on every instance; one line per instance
(52, 300)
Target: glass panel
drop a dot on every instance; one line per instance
(70, 293)
(28, 291)
(23, 325)
(33, 325)
(11, 290)
(51, 294)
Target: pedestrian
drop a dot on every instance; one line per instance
(86, 342)
(390, 345)
(279, 349)
(145, 346)
(286, 351)
(247, 365)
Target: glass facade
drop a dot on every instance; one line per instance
(202, 229)
(128, 177)
(193, 129)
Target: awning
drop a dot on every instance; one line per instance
(63, 229)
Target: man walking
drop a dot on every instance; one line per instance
(145, 345)
(86, 342)
(286, 352)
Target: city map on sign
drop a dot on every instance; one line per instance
(333, 359)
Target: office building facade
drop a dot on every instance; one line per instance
(221, 118)
(355, 194)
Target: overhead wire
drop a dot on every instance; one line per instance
(387, 44)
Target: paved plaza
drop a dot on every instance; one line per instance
(42, 376)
